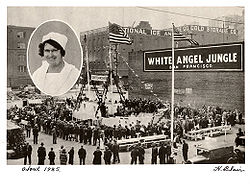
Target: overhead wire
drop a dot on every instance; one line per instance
(187, 15)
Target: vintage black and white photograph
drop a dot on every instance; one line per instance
(52, 41)
(147, 85)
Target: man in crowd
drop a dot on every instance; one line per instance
(107, 156)
(89, 135)
(52, 156)
(35, 134)
(168, 151)
(27, 153)
(154, 154)
(185, 150)
(162, 154)
(96, 136)
(54, 134)
(115, 150)
(97, 160)
(41, 153)
(28, 129)
(71, 156)
(141, 153)
(134, 154)
(82, 155)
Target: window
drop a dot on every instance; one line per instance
(189, 90)
(21, 45)
(22, 68)
(21, 58)
(20, 35)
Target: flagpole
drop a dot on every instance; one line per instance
(172, 100)
(111, 79)
(87, 67)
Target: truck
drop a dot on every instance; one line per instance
(212, 154)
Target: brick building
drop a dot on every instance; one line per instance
(146, 38)
(197, 88)
(17, 42)
(225, 89)
(97, 43)
(210, 35)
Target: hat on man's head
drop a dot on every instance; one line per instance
(59, 38)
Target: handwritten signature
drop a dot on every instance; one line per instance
(228, 168)
(39, 168)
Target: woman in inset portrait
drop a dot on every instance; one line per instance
(55, 76)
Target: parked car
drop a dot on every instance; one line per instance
(212, 154)
(15, 140)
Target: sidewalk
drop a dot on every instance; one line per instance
(124, 156)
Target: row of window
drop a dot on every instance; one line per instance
(22, 68)
(21, 58)
(21, 45)
(21, 35)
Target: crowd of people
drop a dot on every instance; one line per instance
(55, 119)
(69, 157)
(109, 156)
(136, 106)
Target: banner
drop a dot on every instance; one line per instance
(148, 86)
(185, 28)
(98, 78)
(220, 57)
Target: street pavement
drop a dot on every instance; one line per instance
(124, 156)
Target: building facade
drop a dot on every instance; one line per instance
(210, 35)
(17, 42)
(224, 89)
(97, 43)
(146, 38)
(231, 22)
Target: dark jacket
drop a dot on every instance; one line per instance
(168, 150)
(97, 158)
(134, 153)
(115, 148)
(162, 152)
(154, 152)
(71, 156)
(41, 152)
(35, 131)
(27, 150)
(141, 153)
(185, 148)
(82, 153)
(107, 155)
(52, 155)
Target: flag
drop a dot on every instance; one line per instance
(180, 37)
(118, 35)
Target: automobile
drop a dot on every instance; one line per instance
(15, 140)
(239, 152)
(212, 154)
(241, 146)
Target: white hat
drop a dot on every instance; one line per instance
(59, 38)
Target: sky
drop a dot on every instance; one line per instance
(88, 18)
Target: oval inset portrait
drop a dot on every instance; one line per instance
(54, 57)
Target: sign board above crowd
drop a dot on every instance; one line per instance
(184, 29)
(199, 28)
(220, 57)
(99, 78)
